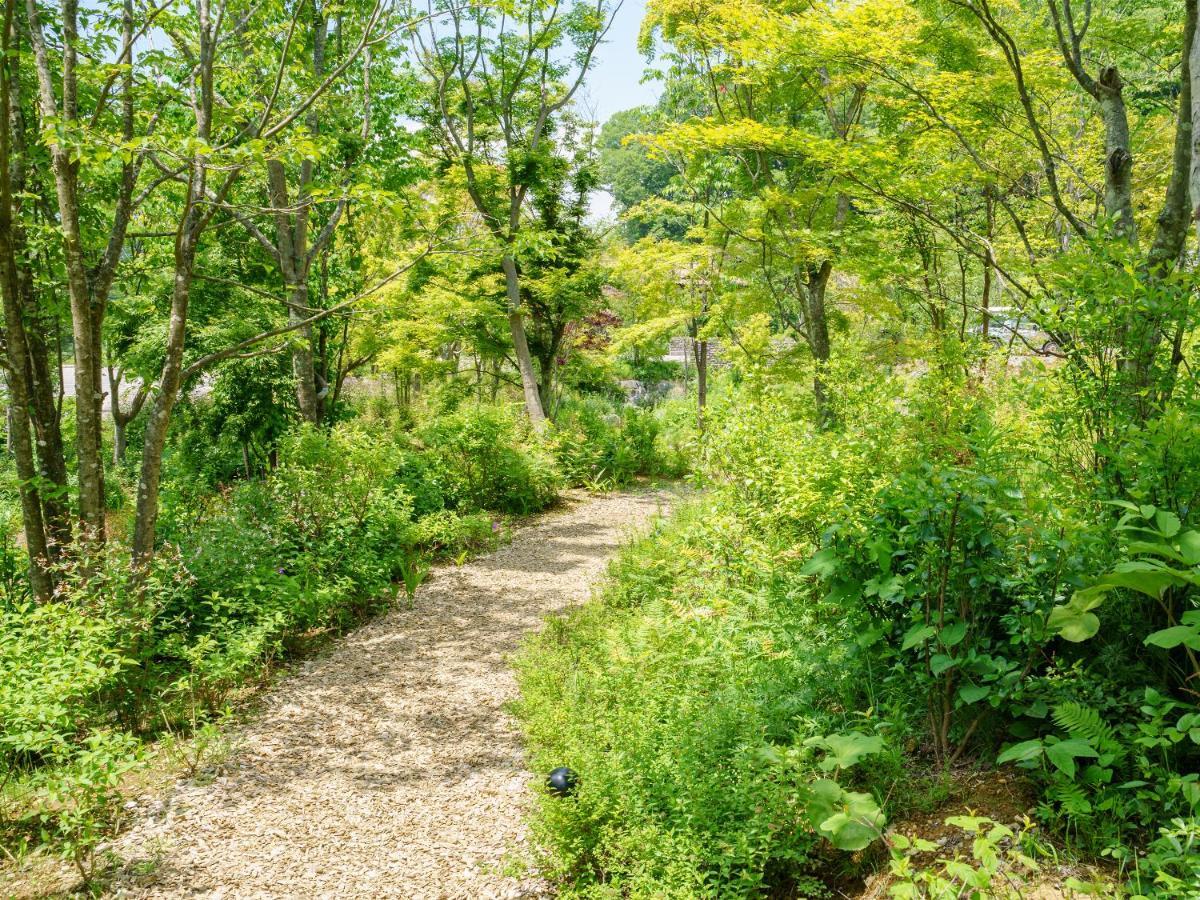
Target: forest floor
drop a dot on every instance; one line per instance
(388, 766)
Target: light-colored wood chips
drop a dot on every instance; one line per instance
(388, 767)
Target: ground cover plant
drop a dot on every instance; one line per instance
(915, 584)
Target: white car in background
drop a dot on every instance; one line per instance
(1008, 326)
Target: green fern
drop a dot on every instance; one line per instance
(1070, 798)
(1084, 723)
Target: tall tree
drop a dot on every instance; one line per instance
(499, 79)
(18, 373)
(76, 136)
(776, 81)
(293, 190)
(216, 43)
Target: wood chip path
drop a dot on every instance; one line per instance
(388, 767)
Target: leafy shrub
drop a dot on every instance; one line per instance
(79, 801)
(67, 667)
(482, 461)
(600, 445)
(55, 660)
(1135, 732)
(690, 707)
(313, 546)
(999, 864)
(448, 533)
(915, 560)
(1171, 867)
(420, 477)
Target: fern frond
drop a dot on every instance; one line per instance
(1084, 723)
(1071, 799)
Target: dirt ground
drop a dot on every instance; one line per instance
(388, 767)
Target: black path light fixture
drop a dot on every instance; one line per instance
(562, 782)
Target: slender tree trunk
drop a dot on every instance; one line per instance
(701, 381)
(818, 335)
(985, 299)
(1118, 159)
(18, 355)
(1194, 79)
(47, 425)
(119, 442)
(44, 410)
(87, 295)
(88, 429)
(292, 222)
(516, 325)
(547, 369)
(122, 417)
(193, 220)
(146, 518)
(303, 366)
(22, 440)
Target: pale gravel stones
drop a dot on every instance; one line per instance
(388, 767)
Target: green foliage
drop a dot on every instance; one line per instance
(66, 667)
(1165, 568)
(689, 704)
(79, 801)
(483, 462)
(597, 445)
(998, 865)
(906, 564)
(248, 575)
(1171, 867)
(450, 533)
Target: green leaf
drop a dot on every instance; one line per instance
(1022, 752)
(1073, 624)
(973, 693)
(849, 820)
(952, 635)
(1156, 548)
(1191, 792)
(1189, 547)
(823, 564)
(1064, 753)
(845, 750)
(1145, 577)
(1169, 638)
(855, 826)
(824, 799)
(918, 634)
(940, 662)
(1167, 522)
(845, 833)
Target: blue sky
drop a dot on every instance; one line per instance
(614, 83)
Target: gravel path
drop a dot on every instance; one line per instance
(388, 767)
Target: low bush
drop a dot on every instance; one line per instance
(700, 720)
(482, 459)
(348, 518)
(598, 444)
